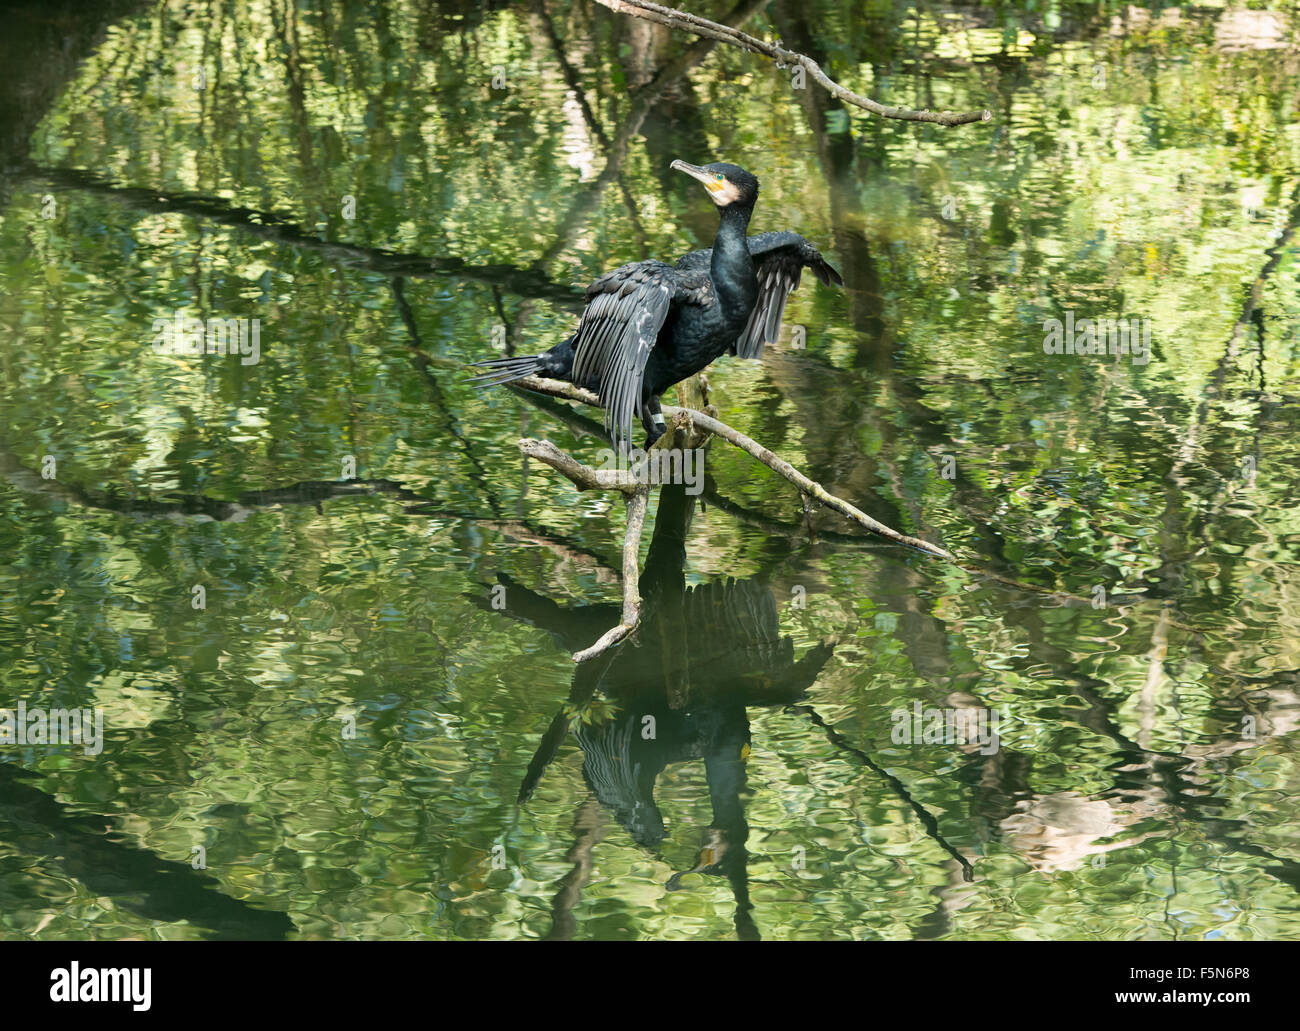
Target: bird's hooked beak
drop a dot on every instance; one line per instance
(712, 182)
(722, 191)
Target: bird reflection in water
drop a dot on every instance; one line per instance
(679, 692)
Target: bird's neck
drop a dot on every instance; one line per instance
(732, 267)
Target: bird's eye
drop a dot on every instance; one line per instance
(719, 177)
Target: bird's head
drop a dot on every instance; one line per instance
(727, 184)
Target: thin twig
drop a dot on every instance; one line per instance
(809, 487)
(692, 23)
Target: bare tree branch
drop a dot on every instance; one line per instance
(701, 421)
(809, 487)
(636, 506)
(689, 424)
(692, 23)
(583, 476)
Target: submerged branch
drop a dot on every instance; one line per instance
(692, 23)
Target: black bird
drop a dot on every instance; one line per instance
(649, 325)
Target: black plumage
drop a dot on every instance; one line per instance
(779, 260)
(649, 325)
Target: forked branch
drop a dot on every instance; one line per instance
(710, 424)
(636, 492)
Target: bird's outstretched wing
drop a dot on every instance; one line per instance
(779, 259)
(625, 310)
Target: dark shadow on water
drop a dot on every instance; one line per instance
(35, 824)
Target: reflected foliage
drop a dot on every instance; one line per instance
(395, 189)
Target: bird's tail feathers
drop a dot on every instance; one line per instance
(506, 370)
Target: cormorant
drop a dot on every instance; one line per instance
(648, 325)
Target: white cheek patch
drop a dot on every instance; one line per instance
(657, 418)
(727, 193)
